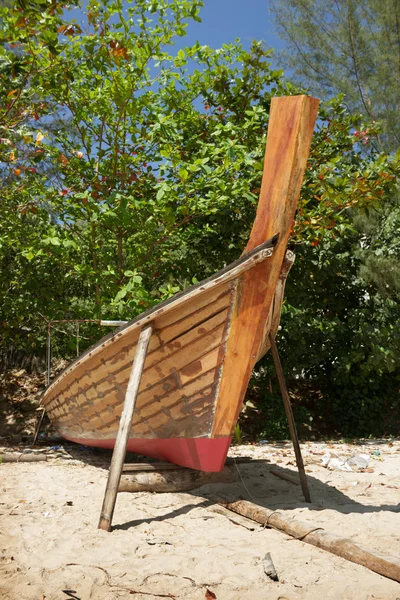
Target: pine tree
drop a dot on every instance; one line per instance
(350, 47)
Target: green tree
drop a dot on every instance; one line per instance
(132, 168)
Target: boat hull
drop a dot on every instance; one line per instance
(205, 341)
(202, 454)
(178, 392)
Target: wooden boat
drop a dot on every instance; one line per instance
(205, 340)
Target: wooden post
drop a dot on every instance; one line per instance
(289, 415)
(118, 457)
(35, 437)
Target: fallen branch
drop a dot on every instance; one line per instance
(17, 457)
(386, 565)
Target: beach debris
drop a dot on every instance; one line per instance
(210, 595)
(377, 455)
(71, 594)
(360, 461)
(355, 462)
(155, 542)
(269, 567)
(333, 462)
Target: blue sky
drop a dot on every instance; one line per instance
(225, 20)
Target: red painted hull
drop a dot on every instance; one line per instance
(202, 454)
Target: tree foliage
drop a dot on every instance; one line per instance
(349, 47)
(132, 166)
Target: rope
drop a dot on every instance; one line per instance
(241, 479)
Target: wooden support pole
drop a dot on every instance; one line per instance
(118, 457)
(290, 418)
(35, 437)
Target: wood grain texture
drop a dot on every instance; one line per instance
(291, 125)
(179, 381)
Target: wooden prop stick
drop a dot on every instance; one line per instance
(118, 457)
(38, 428)
(289, 415)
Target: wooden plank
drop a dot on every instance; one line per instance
(121, 442)
(290, 130)
(152, 401)
(166, 359)
(221, 294)
(195, 319)
(188, 342)
(195, 349)
(156, 466)
(177, 479)
(119, 355)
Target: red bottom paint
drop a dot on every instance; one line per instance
(203, 454)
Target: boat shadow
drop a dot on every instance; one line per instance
(261, 482)
(275, 487)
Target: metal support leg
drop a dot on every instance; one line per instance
(289, 415)
(118, 457)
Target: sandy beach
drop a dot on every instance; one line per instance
(184, 545)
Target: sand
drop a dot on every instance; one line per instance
(183, 545)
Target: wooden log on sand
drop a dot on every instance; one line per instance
(20, 457)
(175, 479)
(384, 564)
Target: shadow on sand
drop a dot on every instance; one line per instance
(257, 483)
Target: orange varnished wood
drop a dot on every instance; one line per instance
(292, 121)
(291, 124)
